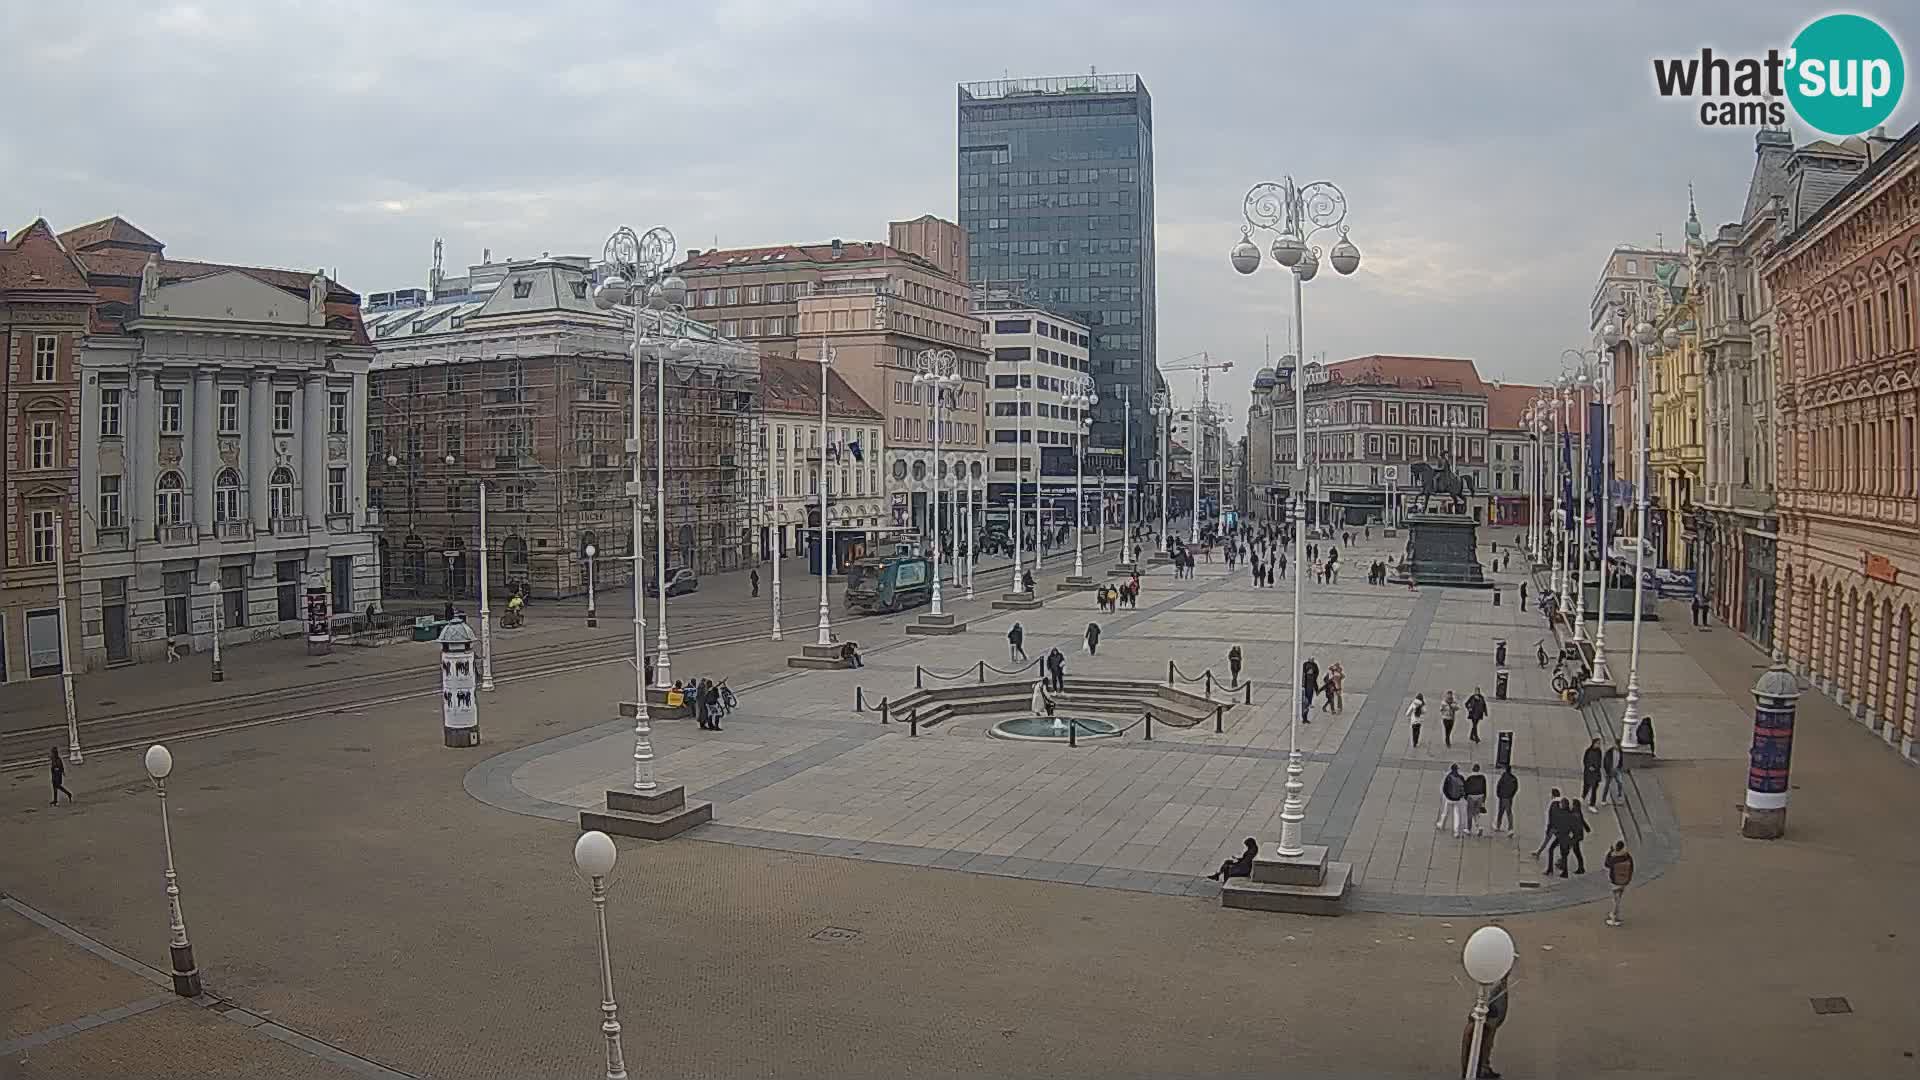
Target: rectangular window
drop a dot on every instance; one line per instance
(729, 328)
(46, 350)
(753, 294)
(286, 589)
(733, 296)
(110, 411)
(110, 502)
(41, 527)
(229, 412)
(44, 443)
(337, 412)
(283, 410)
(233, 596)
(170, 409)
(336, 491)
(177, 587)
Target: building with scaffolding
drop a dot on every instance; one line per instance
(511, 378)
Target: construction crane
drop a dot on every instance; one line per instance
(1203, 363)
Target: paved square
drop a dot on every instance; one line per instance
(797, 769)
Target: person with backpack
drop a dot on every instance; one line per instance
(1619, 876)
(1453, 794)
(1016, 637)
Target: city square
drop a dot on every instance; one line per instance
(535, 547)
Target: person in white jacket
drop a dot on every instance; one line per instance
(1416, 712)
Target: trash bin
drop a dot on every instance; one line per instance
(1503, 752)
(1500, 681)
(1499, 652)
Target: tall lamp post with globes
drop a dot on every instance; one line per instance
(939, 372)
(186, 976)
(593, 616)
(1163, 408)
(1592, 375)
(1646, 339)
(1081, 399)
(595, 855)
(637, 277)
(1488, 958)
(1296, 214)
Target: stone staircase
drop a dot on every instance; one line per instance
(1120, 700)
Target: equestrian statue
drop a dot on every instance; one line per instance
(1442, 480)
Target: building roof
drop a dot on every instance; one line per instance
(793, 386)
(115, 253)
(34, 260)
(850, 251)
(115, 231)
(1507, 403)
(1451, 373)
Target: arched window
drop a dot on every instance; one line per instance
(280, 493)
(226, 495)
(170, 499)
(516, 550)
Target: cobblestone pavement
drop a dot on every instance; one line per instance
(339, 881)
(797, 770)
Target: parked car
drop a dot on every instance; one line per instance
(679, 580)
(1629, 547)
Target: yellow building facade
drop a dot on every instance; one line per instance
(1676, 407)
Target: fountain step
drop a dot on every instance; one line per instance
(1079, 583)
(1326, 898)
(659, 801)
(937, 626)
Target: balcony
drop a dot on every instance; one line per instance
(110, 538)
(339, 523)
(290, 526)
(177, 535)
(234, 530)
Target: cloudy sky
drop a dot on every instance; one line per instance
(1490, 158)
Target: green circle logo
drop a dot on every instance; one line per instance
(1846, 74)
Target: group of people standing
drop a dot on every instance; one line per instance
(1476, 706)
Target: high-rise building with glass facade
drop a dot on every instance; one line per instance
(1056, 192)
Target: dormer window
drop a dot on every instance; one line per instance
(522, 288)
(580, 289)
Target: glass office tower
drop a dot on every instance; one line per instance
(1056, 193)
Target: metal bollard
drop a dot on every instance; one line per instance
(916, 677)
(1249, 688)
(913, 723)
(1073, 730)
(980, 670)
(1149, 722)
(859, 699)
(884, 715)
(1218, 712)
(1209, 682)
(1169, 673)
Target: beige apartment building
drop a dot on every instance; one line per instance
(874, 308)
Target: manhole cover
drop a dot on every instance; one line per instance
(1823, 1006)
(834, 933)
(1529, 884)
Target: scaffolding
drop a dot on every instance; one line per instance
(543, 421)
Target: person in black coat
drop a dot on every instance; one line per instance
(1093, 639)
(1016, 641)
(1504, 790)
(1576, 831)
(1476, 712)
(1309, 684)
(1591, 768)
(1239, 866)
(1057, 667)
(59, 769)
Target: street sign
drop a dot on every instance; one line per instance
(1393, 474)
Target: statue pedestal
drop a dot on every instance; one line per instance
(1443, 549)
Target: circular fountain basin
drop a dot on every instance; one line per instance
(1051, 730)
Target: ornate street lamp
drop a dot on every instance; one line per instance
(186, 975)
(1296, 214)
(1163, 408)
(1081, 399)
(939, 372)
(1643, 338)
(638, 276)
(594, 854)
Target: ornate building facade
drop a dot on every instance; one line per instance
(1845, 282)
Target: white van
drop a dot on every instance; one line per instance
(1631, 547)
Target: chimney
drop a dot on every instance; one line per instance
(838, 247)
(693, 253)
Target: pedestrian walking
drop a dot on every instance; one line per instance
(1335, 688)
(1453, 795)
(1577, 830)
(1504, 789)
(1057, 668)
(1619, 875)
(1700, 610)
(1612, 767)
(1016, 639)
(1233, 663)
(1449, 714)
(1554, 806)
(1093, 639)
(1476, 712)
(1309, 684)
(1476, 800)
(1523, 596)
(1416, 712)
(1283, 566)
(59, 769)
(1041, 704)
(754, 577)
(1591, 769)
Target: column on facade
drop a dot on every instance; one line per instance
(203, 412)
(260, 447)
(146, 444)
(313, 448)
(357, 449)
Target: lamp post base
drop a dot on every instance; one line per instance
(461, 737)
(1763, 824)
(186, 977)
